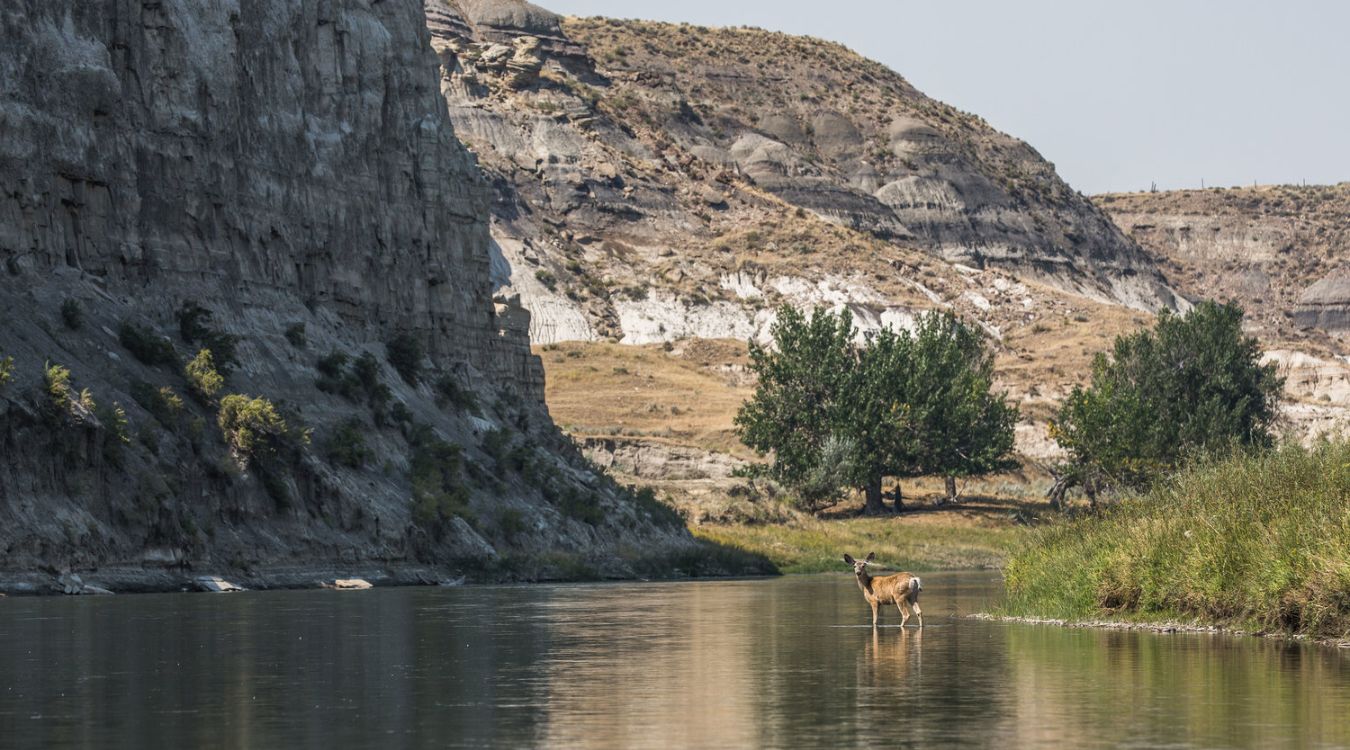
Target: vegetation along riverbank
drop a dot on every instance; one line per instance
(1258, 542)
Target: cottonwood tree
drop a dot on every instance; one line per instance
(798, 405)
(836, 414)
(967, 428)
(1192, 386)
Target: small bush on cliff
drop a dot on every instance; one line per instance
(6, 371)
(253, 428)
(56, 379)
(449, 391)
(194, 322)
(404, 352)
(202, 376)
(347, 444)
(438, 490)
(1190, 387)
(147, 346)
(357, 383)
(72, 315)
(295, 334)
(194, 325)
(117, 432)
(165, 405)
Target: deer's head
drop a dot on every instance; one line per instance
(859, 566)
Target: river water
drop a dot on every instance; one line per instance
(789, 662)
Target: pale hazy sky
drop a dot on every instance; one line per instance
(1117, 95)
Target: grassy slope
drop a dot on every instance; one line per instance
(1258, 543)
(977, 532)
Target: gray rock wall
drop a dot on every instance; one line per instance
(281, 163)
(241, 148)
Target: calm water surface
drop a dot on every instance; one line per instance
(789, 662)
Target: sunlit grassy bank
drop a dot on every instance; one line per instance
(971, 536)
(1257, 542)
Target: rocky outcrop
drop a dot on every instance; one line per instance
(288, 168)
(1325, 304)
(1276, 249)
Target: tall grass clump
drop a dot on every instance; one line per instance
(1258, 541)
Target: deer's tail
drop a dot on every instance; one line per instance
(915, 585)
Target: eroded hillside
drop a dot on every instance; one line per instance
(655, 182)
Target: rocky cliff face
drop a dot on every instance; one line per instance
(659, 181)
(288, 167)
(1279, 249)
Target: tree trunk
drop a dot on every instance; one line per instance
(1058, 491)
(874, 506)
(951, 489)
(899, 499)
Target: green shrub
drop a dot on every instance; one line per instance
(193, 322)
(253, 427)
(400, 414)
(362, 379)
(117, 433)
(448, 390)
(194, 325)
(496, 443)
(72, 315)
(202, 376)
(1191, 386)
(347, 444)
(147, 346)
(512, 523)
(295, 334)
(57, 381)
(547, 279)
(659, 512)
(163, 403)
(6, 371)
(582, 505)
(404, 352)
(438, 490)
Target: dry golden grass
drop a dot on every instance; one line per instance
(687, 396)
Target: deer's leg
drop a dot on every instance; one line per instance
(874, 613)
(917, 611)
(904, 614)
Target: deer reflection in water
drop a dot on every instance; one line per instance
(893, 657)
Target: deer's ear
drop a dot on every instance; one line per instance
(848, 558)
(870, 555)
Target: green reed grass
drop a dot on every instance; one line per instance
(1258, 541)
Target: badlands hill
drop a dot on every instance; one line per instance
(661, 188)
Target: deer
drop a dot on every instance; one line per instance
(900, 589)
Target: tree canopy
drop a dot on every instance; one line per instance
(1192, 386)
(836, 413)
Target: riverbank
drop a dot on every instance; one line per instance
(976, 532)
(1161, 627)
(700, 559)
(1257, 544)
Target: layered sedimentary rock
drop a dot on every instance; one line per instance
(288, 166)
(625, 156)
(1325, 304)
(1277, 249)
